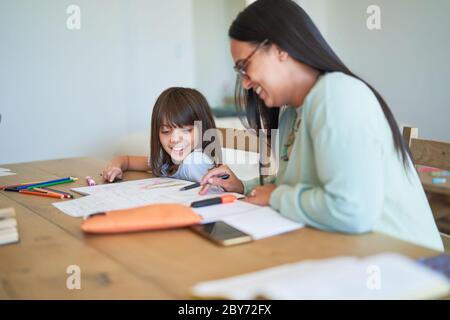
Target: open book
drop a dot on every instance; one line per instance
(383, 276)
(8, 226)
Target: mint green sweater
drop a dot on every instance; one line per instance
(343, 172)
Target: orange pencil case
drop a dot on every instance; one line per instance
(151, 217)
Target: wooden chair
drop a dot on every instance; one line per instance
(427, 152)
(248, 141)
(238, 139)
(244, 140)
(433, 154)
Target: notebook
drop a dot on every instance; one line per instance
(383, 276)
(8, 226)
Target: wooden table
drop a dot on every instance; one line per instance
(145, 265)
(429, 186)
(439, 199)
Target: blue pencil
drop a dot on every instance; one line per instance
(45, 183)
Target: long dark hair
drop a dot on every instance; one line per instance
(177, 107)
(286, 24)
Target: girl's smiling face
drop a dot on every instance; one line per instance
(180, 117)
(178, 142)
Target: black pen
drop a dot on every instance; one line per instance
(225, 176)
(191, 186)
(197, 184)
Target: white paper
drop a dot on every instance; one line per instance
(258, 222)
(8, 226)
(7, 172)
(384, 276)
(262, 222)
(105, 201)
(131, 194)
(134, 186)
(220, 212)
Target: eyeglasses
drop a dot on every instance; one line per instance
(242, 64)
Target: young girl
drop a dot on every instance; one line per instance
(180, 118)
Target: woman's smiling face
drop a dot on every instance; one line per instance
(272, 74)
(265, 71)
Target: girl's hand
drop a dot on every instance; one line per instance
(232, 184)
(261, 195)
(111, 173)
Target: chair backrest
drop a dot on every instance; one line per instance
(238, 139)
(248, 141)
(433, 154)
(427, 152)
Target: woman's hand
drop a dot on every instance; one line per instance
(261, 195)
(111, 173)
(232, 184)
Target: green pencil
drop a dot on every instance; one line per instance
(48, 184)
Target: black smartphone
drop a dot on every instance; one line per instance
(222, 233)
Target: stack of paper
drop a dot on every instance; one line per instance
(130, 194)
(6, 172)
(8, 226)
(384, 276)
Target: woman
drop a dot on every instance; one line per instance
(344, 167)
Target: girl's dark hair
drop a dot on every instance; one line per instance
(177, 107)
(286, 24)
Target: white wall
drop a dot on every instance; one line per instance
(317, 10)
(90, 92)
(83, 92)
(407, 60)
(215, 77)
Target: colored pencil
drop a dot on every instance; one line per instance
(42, 194)
(20, 184)
(69, 195)
(53, 191)
(48, 183)
(26, 185)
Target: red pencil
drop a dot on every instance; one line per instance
(52, 191)
(42, 194)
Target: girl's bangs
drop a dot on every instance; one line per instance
(176, 116)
